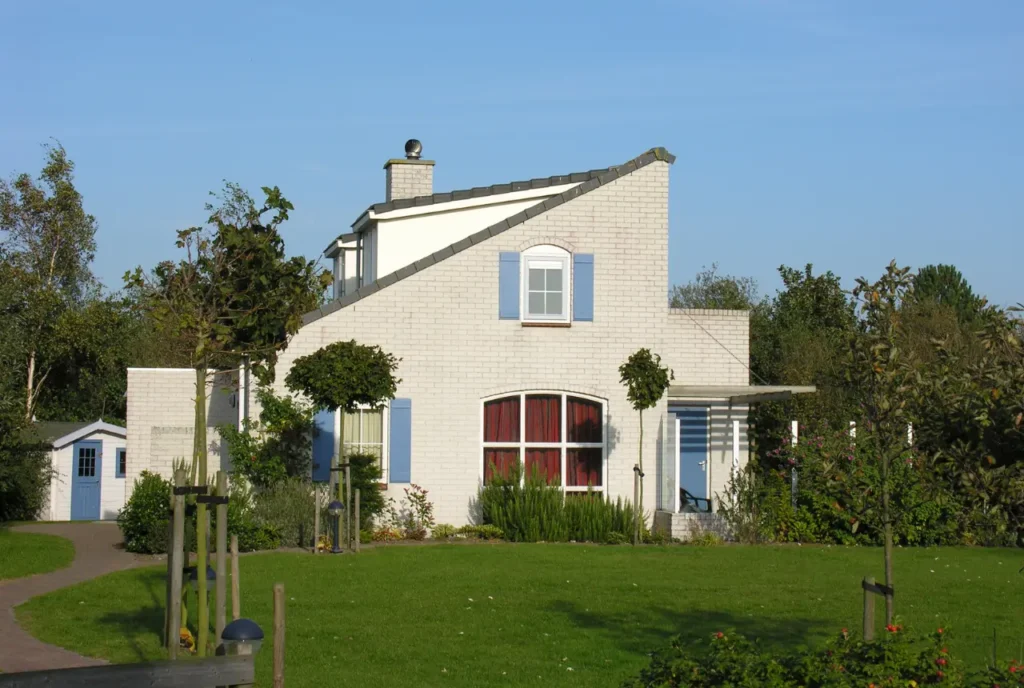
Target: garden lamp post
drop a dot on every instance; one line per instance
(242, 637)
(335, 508)
(193, 578)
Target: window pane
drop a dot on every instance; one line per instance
(554, 280)
(543, 418)
(537, 280)
(544, 464)
(554, 303)
(583, 467)
(499, 461)
(583, 420)
(350, 431)
(501, 420)
(372, 427)
(535, 303)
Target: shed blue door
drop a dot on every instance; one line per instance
(693, 452)
(86, 471)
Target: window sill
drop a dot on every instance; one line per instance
(538, 323)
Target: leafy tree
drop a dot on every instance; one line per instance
(234, 294)
(276, 447)
(25, 472)
(48, 242)
(646, 382)
(881, 371)
(711, 290)
(943, 284)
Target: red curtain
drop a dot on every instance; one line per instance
(543, 418)
(583, 420)
(583, 467)
(501, 420)
(500, 461)
(547, 463)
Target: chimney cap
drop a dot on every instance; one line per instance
(413, 149)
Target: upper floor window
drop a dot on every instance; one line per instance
(546, 280)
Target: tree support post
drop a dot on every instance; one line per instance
(222, 555)
(177, 564)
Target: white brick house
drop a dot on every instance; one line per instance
(511, 308)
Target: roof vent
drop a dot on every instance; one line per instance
(413, 149)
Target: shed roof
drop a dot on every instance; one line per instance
(51, 433)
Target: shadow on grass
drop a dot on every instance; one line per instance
(644, 630)
(148, 620)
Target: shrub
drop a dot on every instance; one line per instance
(252, 535)
(287, 510)
(366, 475)
(387, 534)
(25, 472)
(898, 658)
(705, 539)
(481, 532)
(443, 531)
(533, 511)
(145, 519)
(616, 538)
(277, 447)
(412, 519)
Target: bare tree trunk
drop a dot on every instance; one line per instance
(640, 504)
(29, 391)
(199, 457)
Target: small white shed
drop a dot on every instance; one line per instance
(89, 461)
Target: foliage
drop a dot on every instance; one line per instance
(253, 535)
(366, 476)
(897, 658)
(484, 531)
(411, 519)
(47, 241)
(532, 511)
(706, 538)
(711, 290)
(25, 470)
(145, 519)
(616, 538)
(345, 375)
(945, 285)
(443, 531)
(276, 447)
(287, 509)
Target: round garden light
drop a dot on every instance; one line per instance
(193, 577)
(242, 637)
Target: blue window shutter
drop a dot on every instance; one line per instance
(400, 442)
(583, 286)
(323, 445)
(508, 286)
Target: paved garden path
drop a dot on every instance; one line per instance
(97, 552)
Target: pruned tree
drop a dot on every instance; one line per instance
(884, 375)
(711, 290)
(646, 382)
(48, 241)
(234, 294)
(943, 284)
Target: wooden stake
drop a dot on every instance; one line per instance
(177, 564)
(316, 518)
(222, 557)
(869, 611)
(236, 609)
(279, 635)
(170, 547)
(356, 512)
(348, 494)
(636, 504)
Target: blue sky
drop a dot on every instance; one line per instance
(839, 133)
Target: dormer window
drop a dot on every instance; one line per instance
(546, 280)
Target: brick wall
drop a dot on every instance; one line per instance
(405, 179)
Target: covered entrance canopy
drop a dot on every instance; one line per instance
(702, 423)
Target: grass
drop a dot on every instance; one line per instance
(25, 554)
(560, 615)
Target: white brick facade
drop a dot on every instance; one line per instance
(408, 179)
(442, 321)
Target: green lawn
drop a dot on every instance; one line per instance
(562, 615)
(24, 554)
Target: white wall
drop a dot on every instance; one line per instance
(112, 489)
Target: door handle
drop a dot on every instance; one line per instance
(703, 465)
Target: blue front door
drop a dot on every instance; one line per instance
(693, 454)
(86, 471)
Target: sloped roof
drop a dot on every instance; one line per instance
(59, 433)
(591, 180)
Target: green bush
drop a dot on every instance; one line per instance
(25, 471)
(616, 538)
(145, 519)
(481, 532)
(252, 535)
(366, 477)
(533, 511)
(277, 447)
(286, 509)
(443, 531)
(896, 659)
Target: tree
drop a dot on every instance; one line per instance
(711, 290)
(943, 284)
(883, 374)
(48, 241)
(646, 382)
(234, 294)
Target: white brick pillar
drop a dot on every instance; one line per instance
(408, 178)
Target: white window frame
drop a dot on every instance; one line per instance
(385, 459)
(522, 445)
(540, 254)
